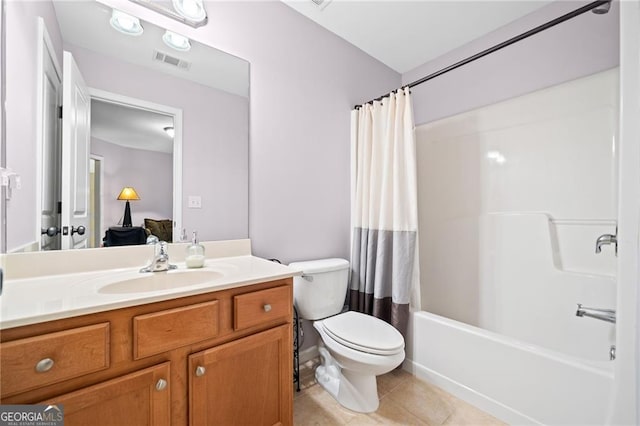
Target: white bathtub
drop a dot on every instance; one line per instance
(517, 382)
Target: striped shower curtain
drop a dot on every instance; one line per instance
(384, 258)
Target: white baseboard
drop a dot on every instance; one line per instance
(481, 401)
(308, 354)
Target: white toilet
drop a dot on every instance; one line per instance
(355, 347)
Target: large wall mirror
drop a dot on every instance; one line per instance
(136, 113)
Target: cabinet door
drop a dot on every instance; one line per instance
(244, 382)
(140, 398)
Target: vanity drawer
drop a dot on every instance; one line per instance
(51, 358)
(262, 306)
(166, 330)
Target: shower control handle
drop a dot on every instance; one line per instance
(607, 239)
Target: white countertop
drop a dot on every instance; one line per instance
(37, 299)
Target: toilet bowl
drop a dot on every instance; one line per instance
(354, 347)
(353, 383)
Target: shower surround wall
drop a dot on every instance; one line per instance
(511, 199)
(522, 256)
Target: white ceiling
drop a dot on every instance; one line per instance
(406, 34)
(131, 127)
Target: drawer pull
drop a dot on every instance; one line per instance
(200, 371)
(267, 307)
(44, 365)
(161, 385)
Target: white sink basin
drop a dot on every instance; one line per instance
(157, 281)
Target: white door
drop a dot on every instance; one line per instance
(76, 137)
(50, 215)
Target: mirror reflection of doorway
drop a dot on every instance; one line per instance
(135, 142)
(95, 197)
(48, 163)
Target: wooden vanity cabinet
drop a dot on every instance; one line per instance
(139, 398)
(238, 383)
(51, 358)
(222, 358)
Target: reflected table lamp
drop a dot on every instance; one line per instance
(127, 194)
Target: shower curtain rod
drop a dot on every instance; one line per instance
(499, 46)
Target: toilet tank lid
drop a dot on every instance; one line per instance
(320, 265)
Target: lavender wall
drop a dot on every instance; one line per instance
(301, 96)
(304, 82)
(21, 69)
(149, 172)
(214, 144)
(576, 48)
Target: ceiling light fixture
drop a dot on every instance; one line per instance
(176, 41)
(190, 12)
(170, 131)
(190, 9)
(125, 23)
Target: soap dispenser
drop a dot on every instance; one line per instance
(195, 253)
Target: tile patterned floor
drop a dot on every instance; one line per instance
(404, 400)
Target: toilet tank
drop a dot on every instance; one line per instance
(320, 291)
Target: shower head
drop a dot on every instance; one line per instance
(602, 9)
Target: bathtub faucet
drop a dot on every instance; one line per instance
(608, 315)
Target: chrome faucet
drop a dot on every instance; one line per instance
(160, 261)
(607, 239)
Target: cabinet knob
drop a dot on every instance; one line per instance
(44, 365)
(200, 371)
(161, 385)
(267, 307)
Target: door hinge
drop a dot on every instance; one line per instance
(60, 112)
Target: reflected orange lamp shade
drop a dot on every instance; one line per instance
(127, 194)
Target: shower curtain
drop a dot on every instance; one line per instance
(384, 258)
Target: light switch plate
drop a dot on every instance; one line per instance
(195, 202)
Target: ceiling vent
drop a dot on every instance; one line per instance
(171, 60)
(321, 3)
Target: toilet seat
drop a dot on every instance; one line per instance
(364, 333)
